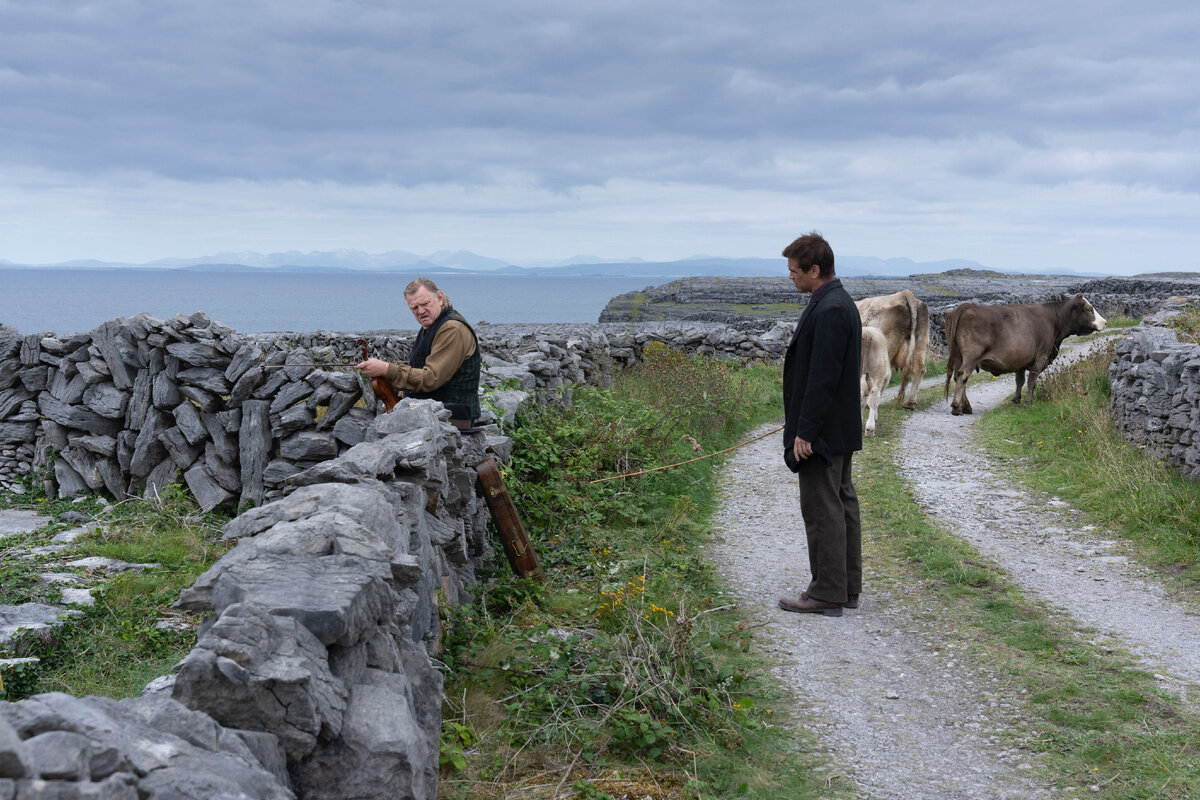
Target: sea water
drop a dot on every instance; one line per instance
(66, 301)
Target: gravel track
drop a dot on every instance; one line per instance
(885, 689)
(1037, 539)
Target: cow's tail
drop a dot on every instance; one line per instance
(954, 361)
(914, 327)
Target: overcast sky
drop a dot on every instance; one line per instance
(1021, 134)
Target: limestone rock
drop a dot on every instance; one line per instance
(264, 672)
(335, 597)
(382, 753)
(106, 400)
(208, 493)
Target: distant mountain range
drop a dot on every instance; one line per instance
(464, 262)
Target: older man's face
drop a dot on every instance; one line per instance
(425, 305)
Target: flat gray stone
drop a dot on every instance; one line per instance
(106, 400)
(105, 446)
(17, 433)
(254, 448)
(199, 354)
(20, 520)
(68, 536)
(141, 400)
(208, 378)
(383, 752)
(77, 417)
(188, 420)
(109, 565)
(34, 616)
(334, 596)
(76, 597)
(308, 446)
(208, 493)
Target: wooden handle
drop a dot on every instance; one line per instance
(380, 386)
(512, 533)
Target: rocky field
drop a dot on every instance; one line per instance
(759, 302)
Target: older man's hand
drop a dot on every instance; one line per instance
(373, 368)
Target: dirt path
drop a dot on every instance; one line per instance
(883, 687)
(1037, 540)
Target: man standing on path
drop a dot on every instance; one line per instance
(823, 428)
(445, 360)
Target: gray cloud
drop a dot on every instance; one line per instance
(886, 101)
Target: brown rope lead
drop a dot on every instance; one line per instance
(689, 461)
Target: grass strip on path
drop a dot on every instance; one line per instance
(1101, 723)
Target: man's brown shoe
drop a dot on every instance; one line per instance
(810, 605)
(851, 600)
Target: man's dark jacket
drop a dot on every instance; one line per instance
(821, 375)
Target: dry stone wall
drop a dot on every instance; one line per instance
(312, 676)
(1155, 379)
(138, 403)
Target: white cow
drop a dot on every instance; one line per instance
(876, 373)
(904, 320)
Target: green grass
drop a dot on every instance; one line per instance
(627, 673)
(117, 645)
(1097, 718)
(1187, 323)
(1065, 444)
(754, 309)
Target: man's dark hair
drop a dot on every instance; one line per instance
(809, 249)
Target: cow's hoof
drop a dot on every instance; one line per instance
(870, 432)
(911, 405)
(956, 411)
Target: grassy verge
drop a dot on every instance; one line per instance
(1187, 323)
(130, 634)
(1102, 724)
(626, 674)
(1066, 445)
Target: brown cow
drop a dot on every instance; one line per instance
(1002, 339)
(876, 372)
(904, 321)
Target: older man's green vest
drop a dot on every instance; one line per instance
(463, 387)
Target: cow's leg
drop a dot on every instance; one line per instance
(911, 374)
(905, 381)
(1021, 382)
(867, 393)
(1033, 376)
(872, 400)
(916, 373)
(960, 404)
